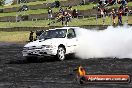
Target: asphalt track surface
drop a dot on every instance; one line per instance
(17, 72)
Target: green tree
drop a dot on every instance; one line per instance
(1, 2)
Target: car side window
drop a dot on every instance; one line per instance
(71, 33)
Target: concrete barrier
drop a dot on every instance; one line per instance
(32, 0)
(44, 16)
(15, 1)
(90, 27)
(43, 5)
(99, 27)
(8, 19)
(88, 12)
(13, 9)
(23, 29)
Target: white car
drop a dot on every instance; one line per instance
(55, 42)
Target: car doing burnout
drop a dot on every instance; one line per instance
(54, 42)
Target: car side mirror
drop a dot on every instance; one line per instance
(69, 35)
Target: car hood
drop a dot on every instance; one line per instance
(34, 43)
(53, 41)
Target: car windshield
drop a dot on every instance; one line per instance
(58, 33)
(42, 36)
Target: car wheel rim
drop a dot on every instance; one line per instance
(61, 54)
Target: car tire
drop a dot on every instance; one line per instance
(31, 59)
(61, 54)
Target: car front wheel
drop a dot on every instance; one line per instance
(31, 59)
(61, 53)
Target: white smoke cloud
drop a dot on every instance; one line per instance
(111, 42)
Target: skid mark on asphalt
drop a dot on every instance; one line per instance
(16, 72)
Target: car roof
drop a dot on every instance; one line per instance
(70, 27)
(64, 28)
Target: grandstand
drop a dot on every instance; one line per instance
(37, 13)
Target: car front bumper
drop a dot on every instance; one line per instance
(39, 52)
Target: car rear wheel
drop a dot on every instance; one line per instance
(61, 53)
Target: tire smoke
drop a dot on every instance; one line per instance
(111, 42)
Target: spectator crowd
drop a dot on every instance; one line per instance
(63, 15)
(117, 12)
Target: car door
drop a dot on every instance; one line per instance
(71, 40)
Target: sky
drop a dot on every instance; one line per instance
(8, 1)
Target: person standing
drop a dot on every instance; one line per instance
(62, 17)
(74, 13)
(102, 15)
(49, 13)
(67, 18)
(113, 13)
(120, 15)
(61, 10)
(31, 36)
